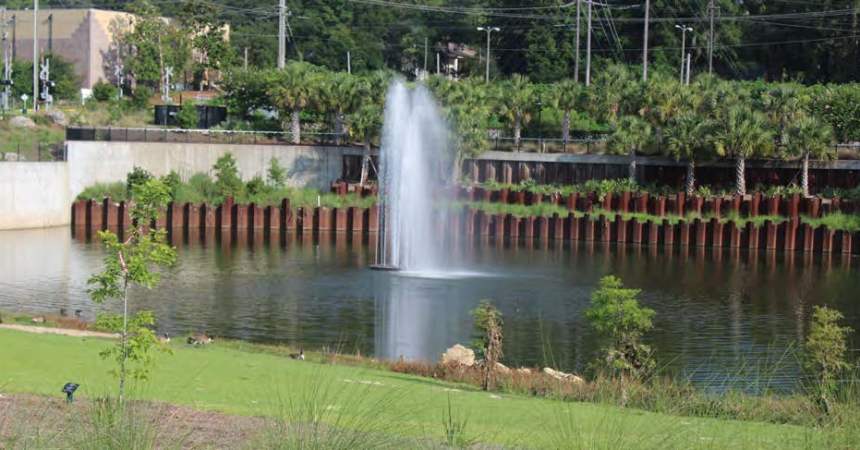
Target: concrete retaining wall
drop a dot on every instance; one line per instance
(34, 195)
(104, 162)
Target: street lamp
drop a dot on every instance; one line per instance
(488, 30)
(684, 29)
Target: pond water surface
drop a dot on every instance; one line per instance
(722, 318)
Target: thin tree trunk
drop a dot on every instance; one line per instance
(517, 130)
(804, 175)
(365, 163)
(691, 176)
(565, 127)
(123, 341)
(631, 171)
(740, 175)
(296, 126)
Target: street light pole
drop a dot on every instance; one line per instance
(588, 49)
(282, 34)
(576, 58)
(684, 29)
(489, 30)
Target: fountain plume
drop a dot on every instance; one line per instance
(413, 163)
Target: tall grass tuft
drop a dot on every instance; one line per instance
(113, 425)
(326, 415)
(454, 428)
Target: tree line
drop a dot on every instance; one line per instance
(708, 119)
(773, 40)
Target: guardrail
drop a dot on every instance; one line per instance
(178, 135)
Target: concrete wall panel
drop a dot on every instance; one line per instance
(34, 195)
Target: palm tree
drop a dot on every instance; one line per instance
(566, 96)
(742, 133)
(630, 134)
(782, 106)
(688, 137)
(515, 99)
(809, 137)
(614, 93)
(364, 125)
(293, 91)
(339, 96)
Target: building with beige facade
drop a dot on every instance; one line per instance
(80, 36)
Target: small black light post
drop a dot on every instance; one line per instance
(69, 389)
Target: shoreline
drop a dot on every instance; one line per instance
(263, 384)
(661, 394)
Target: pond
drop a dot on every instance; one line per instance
(723, 318)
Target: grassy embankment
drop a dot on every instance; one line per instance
(239, 379)
(25, 142)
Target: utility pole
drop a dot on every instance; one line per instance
(437, 63)
(50, 33)
(245, 63)
(14, 36)
(576, 58)
(348, 63)
(711, 37)
(645, 42)
(282, 34)
(7, 64)
(684, 29)
(489, 30)
(425, 55)
(588, 49)
(35, 55)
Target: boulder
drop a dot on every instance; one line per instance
(562, 376)
(524, 370)
(22, 122)
(58, 117)
(501, 368)
(459, 355)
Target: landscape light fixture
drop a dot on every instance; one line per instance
(489, 30)
(684, 29)
(69, 389)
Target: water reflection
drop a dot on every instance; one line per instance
(717, 311)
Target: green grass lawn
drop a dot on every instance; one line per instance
(241, 382)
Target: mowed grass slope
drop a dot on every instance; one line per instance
(252, 383)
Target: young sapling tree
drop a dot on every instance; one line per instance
(133, 261)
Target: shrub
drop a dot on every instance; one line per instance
(187, 116)
(104, 92)
(227, 180)
(137, 176)
(173, 183)
(825, 354)
(256, 186)
(616, 315)
(277, 176)
(140, 97)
